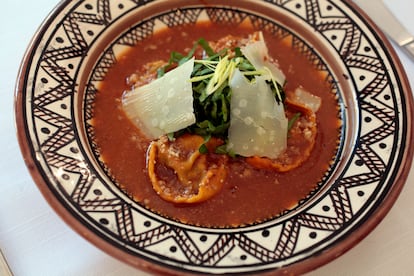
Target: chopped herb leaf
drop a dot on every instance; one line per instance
(171, 137)
(203, 149)
(293, 120)
(223, 150)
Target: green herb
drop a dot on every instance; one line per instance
(211, 91)
(223, 150)
(293, 120)
(203, 149)
(171, 137)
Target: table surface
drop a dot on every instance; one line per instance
(36, 241)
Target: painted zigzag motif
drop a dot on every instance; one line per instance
(125, 229)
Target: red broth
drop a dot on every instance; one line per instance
(249, 195)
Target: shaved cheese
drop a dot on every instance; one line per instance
(306, 99)
(258, 55)
(164, 105)
(258, 125)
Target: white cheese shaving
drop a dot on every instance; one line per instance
(308, 100)
(258, 124)
(258, 55)
(164, 105)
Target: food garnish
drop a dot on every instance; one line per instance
(215, 79)
(164, 105)
(213, 103)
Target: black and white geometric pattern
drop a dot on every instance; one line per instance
(368, 89)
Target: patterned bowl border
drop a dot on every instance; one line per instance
(52, 138)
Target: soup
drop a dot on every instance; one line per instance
(252, 190)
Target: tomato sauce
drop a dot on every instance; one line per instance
(249, 195)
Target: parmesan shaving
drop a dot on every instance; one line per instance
(258, 124)
(306, 99)
(258, 55)
(164, 105)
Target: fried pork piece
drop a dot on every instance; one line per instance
(179, 173)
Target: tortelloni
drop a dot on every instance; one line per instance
(179, 173)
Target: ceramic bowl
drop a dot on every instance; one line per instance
(78, 43)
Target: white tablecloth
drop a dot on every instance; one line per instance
(36, 241)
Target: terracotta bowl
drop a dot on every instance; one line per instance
(79, 41)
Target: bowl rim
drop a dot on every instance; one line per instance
(306, 265)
